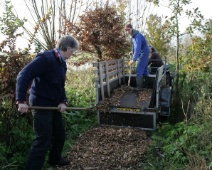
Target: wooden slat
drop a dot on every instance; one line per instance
(123, 70)
(118, 70)
(107, 80)
(112, 73)
(112, 67)
(107, 72)
(101, 81)
(111, 62)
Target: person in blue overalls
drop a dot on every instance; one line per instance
(46, 74)
(140, 52)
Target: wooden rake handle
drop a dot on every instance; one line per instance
(57, 108)
(130, 70)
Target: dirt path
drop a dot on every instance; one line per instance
(108, 148)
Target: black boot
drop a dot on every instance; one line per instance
(139, 82)
(62, 162)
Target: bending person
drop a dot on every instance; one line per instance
(47, 73)
(155, 60)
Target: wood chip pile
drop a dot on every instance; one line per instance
(108, 148)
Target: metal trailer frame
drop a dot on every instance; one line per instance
(110, 75)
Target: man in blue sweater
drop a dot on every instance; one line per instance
(140, 52)
(46, 75)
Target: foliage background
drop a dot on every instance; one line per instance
(183, 142)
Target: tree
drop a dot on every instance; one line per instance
(199, 53)
(157, 34)
(177, 10)
(10, 26)
(12, 60)
(49, 20)
(137, 13)
(102, 32)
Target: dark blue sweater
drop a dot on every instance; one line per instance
(47, 75)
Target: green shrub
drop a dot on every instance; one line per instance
(80, 89)
(187, 144)
(15, 137)
(80, 93)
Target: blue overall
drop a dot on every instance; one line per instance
(47, 74)
(140, 51)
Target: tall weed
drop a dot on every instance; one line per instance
(80, 88)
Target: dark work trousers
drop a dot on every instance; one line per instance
(49, 134)
(142, 65)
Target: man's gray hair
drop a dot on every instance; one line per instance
(67, 41)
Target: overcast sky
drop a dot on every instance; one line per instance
(205, 6)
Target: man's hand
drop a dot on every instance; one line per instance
(62, 107)
(130, 62)
(23, 107)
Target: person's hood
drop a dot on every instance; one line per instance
(134, 32)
